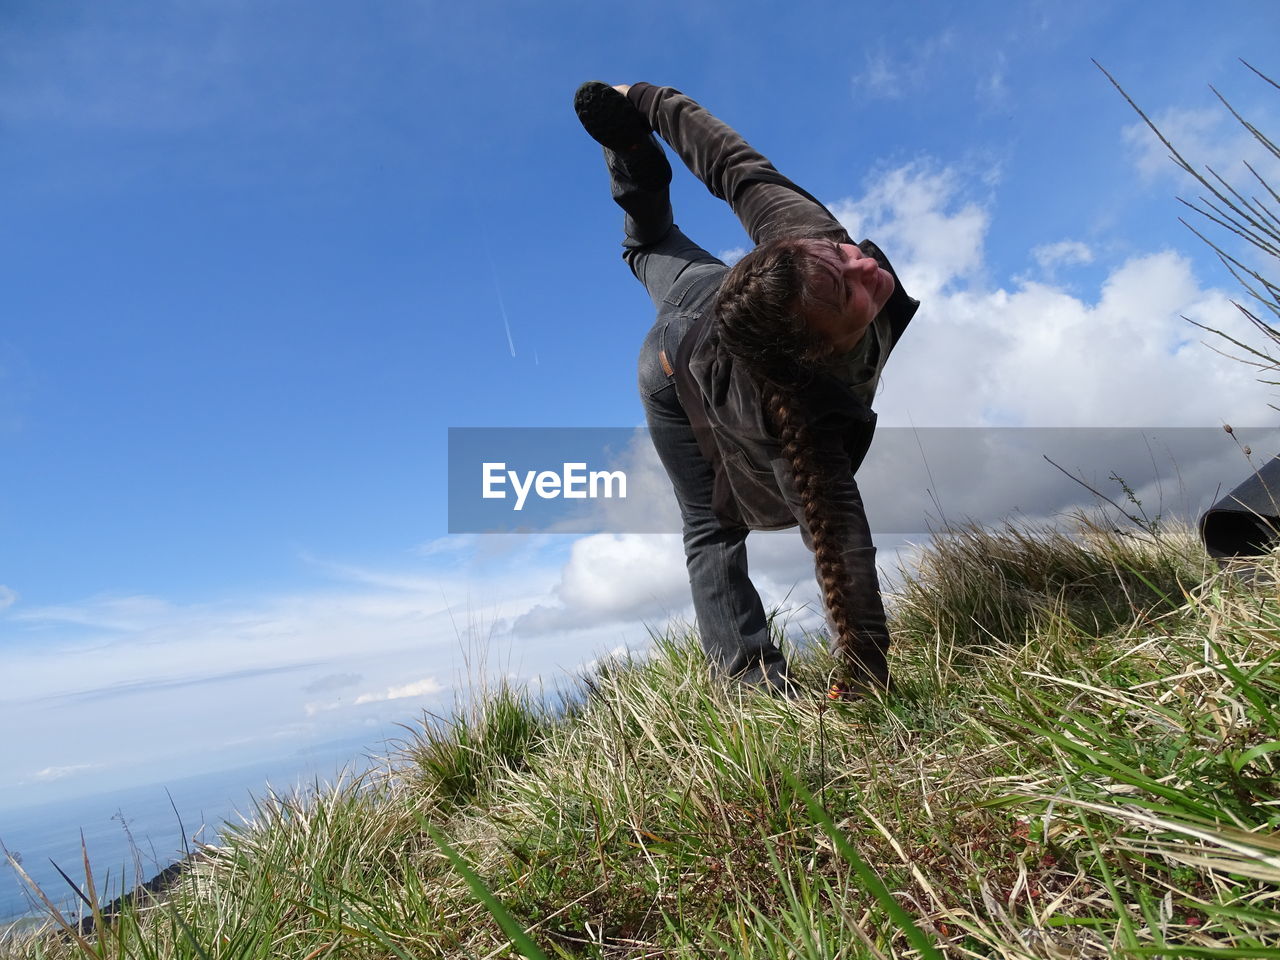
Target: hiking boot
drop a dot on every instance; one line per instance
(614, 122)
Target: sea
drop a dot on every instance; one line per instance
(132, 834)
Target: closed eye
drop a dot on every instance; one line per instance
(846, 292)
(841, 292)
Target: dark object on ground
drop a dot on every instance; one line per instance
(143, 893)
(1246, 522)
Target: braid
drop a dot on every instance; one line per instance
(760, 321)
(811, 465)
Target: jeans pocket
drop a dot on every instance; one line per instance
(666, 352)
(655, 369)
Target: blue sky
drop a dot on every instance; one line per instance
(259, 257)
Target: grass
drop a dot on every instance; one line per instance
(1081, 758)
(1249, 213)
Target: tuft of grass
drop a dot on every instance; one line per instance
(1249, 213)
(982, 590)
(455, 761)
(1081, 758)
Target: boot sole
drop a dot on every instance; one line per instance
(609, 118)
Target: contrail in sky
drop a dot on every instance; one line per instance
(493, 266)
(502, 307)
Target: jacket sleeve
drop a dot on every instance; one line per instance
(768, 204)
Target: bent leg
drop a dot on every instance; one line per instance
(658, 253)
(732, 625)
(670, 267)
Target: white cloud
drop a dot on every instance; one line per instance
(914, 213)
(623, 578)
(1204, 136)
(214, 670)
(103, 612)
(611, 578)
(8, 597)
(993, 88)
(1064, 253)
(650, 504)
(49, 774)
(893, 75)
(451, 545)
(1034, 354)
(332, 681)
(621, 653)
(610, 572)
(880, 78)
(418, 688)
(1215, 145)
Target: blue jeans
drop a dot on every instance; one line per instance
(681, 279)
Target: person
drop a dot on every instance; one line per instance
(756, 380)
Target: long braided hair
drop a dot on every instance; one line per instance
(760, 312)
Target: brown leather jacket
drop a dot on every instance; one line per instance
(754, 486)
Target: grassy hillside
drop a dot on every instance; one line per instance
(1081, 759)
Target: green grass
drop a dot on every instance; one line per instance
(1081, 758)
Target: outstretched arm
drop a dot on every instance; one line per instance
(768, 204)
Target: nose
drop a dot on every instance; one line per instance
(861, 265)
(853, 255)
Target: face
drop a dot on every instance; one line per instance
(850, 289)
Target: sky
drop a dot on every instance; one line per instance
(259, 257)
